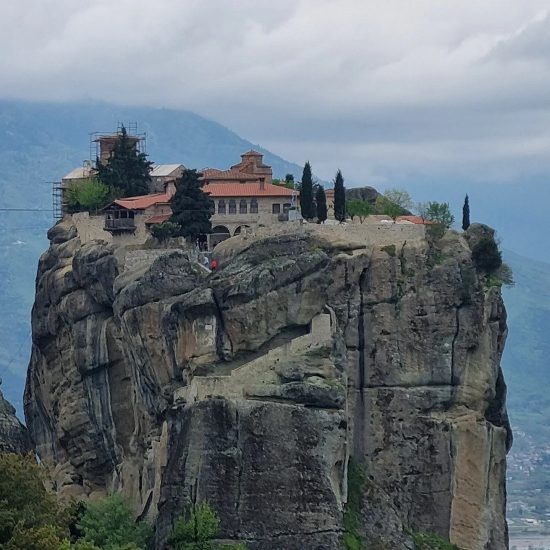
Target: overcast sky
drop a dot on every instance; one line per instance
(426, 88)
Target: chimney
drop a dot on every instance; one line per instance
(262, 184)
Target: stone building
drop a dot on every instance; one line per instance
(251, 169)
(161, 174)
(129, 214)
(240, 206)
(244, 197)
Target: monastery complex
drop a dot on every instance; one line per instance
(244, 196)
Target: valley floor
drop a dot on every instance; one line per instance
(529, 542)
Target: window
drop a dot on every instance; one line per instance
(286, 207)
(253, 206)
(276, 208)
(232, 207)
(243, 207)
(221, 207)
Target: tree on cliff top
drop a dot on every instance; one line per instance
(90, 194)
(321, 204)
(127, 171)
(438, 212)
(339, 197)
(192, 208)
(393, 203)
(306, 193)
(466, 214)
(358, 208)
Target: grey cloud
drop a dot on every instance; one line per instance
(530, 43)
(408, 86)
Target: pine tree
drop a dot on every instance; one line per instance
(191, 206)
(321, 202)
(339, 197)
(127, 171)
(306, 193)
(466, 214)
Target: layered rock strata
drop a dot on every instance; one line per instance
(254, 386)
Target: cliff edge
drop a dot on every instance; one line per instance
(261, 386)
(13, 435)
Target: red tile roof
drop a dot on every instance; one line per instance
(246, 190)
(158, 219)
(143, 201)
(214, 174)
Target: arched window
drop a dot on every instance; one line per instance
(243, 207)
(232, 206)
(221, 207)
(254, 206)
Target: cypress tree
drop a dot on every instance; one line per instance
(127, 171)
(321, 201)
(306, 193)
(339, 197)
(466, 214)
(192, 208)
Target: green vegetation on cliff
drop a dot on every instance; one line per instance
(196, 530)
(353, 540)
(428, 541)
(31, 518)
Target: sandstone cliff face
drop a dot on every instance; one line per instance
(252, 387)
(13, 435)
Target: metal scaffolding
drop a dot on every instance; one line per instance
(57, 200)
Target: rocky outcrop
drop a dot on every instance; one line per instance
(363, 194)
(13, 435)
(254, 386)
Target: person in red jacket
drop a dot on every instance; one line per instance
(213, 265)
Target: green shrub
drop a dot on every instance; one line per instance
(45, 537)
(435, 231)
(486, 255)
(196, 529)
(89, 194)
(83, 545)
(356, 486)
(26, 505)
(110, 524)
(165, 230)
(389, 249)
(428, 541)
(505, 275)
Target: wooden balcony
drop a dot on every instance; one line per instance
(120, 225)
